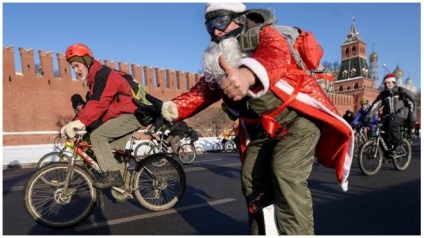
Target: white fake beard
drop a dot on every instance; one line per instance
(230, 49)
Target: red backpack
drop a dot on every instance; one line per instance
(305, 49)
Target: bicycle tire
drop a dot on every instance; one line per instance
(401, 163)
(159, 187)
(359, 141)
(229, 146)
(142, 150)
(370, 158)
(186, 153)
(44, 203)
(52, 157)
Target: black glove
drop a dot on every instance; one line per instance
(146, 114)
(154, 109)
(144, 118)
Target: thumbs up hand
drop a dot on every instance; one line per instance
(237, 81)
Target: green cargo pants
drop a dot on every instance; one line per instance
(113, 134)
(284, 165)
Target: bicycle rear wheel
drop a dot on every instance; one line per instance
(159, 187)
(53, 205)
(229, 146)
(186, 153)
(402, 162)
(53, 157)
(370, 158)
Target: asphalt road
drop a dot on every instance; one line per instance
(385, 204)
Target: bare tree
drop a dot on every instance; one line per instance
(210, 122)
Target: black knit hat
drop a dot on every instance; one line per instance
(77, 100)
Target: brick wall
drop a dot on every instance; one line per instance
(34, 103)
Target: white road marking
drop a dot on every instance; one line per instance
(153, 214)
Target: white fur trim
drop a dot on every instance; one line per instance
(230, 6)
(169, 111)
(260, 72)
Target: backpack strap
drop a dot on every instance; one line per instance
(255, 20)
(272, 126)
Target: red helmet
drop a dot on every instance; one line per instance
(77, 50)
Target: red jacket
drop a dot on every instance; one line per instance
(109, 95)
(275, 68)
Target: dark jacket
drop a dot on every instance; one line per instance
(397, 101)
(109, 95)
(178, 128)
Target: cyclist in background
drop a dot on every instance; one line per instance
(175, 133)
(398, 105)
(349, 116)
(193, 135)
(360, 115)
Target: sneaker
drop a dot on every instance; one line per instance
(398, 150)
(111, 179)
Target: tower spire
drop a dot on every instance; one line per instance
(353, 34)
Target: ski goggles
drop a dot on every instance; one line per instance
(220, 23)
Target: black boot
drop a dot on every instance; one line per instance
(111, 179)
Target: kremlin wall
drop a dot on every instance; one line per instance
(37, 105)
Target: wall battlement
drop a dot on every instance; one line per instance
(41, 102)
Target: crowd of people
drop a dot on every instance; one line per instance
(278, 159)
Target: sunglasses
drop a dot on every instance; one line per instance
(220, 23)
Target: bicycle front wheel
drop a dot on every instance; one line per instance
(55, 205)
(186, 153)
(402, 162)
(159, 187)
(53, 157)
(370, 158)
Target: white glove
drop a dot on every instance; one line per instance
(70, 128)
(167, 132)
(159, 133)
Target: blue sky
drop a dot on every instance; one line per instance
(173, 36)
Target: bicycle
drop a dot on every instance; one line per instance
(186, 152)
(359, 137)
(218, 146)
(62, 194)
(224, 145)
(375, 151)
(230, 145)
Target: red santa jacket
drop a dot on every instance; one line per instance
(274, 66)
